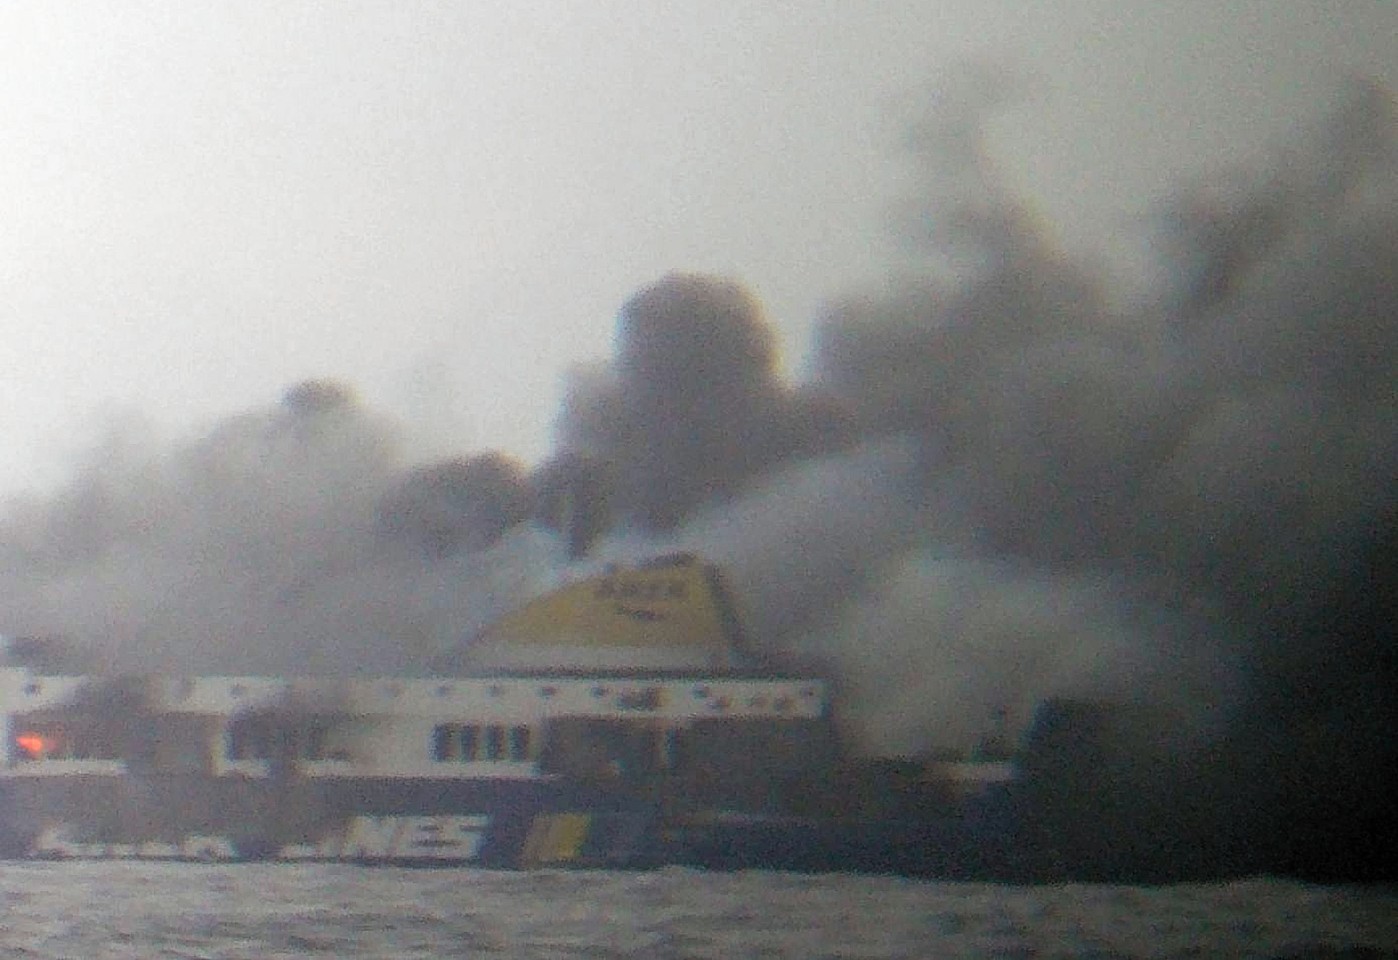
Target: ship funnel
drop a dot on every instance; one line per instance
(667, 615)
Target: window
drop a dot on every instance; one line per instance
(494, 742)
(37, 745)
(313, 742)
(470, 742)
(445, 745)
(467, 743)
(73, 739)
(249, 738)
(262, 738)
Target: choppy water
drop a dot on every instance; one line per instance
(128, 910)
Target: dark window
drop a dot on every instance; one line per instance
(248, 739)
(258, 738)
(313, 746)
(519, 743)
(494, 742)
(443, 742)
(470, 742)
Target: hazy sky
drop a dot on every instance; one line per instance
(444, 203)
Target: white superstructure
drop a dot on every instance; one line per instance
(424, 727)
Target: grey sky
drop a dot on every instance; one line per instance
(445, 203)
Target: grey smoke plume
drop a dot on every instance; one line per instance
(290, 540)
(1218, 458)
(996, 486)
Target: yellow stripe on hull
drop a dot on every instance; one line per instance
(555, 838)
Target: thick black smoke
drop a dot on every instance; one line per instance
(463, 504)
(997, 487)
(1186, 507)
(693, 407)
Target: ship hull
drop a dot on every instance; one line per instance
(489, 823)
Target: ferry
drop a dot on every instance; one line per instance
(618, 722)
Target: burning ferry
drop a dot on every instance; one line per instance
(618, 722)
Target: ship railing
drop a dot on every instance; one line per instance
(418, 769)
(415, 769)
(64, 767)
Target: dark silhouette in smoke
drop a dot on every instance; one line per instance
(465, 504)
(998, 489)
(573, 500)
(694, 407)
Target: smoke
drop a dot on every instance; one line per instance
(997, 485)
(288, 540)
(693, 406)
(462, 504)
(991, 640)
(1212, 462)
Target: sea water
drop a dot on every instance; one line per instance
(147, 910)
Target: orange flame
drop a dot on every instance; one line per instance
(33, 744)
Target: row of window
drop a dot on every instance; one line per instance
(53, 744)
(257, 739)
(465, 742)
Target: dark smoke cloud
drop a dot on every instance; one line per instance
(1186, 505)
(462, 504)
(998, 486)
(694, 406)
(573, 499)
(1213, 462)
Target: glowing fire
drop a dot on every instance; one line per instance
(33, 744)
